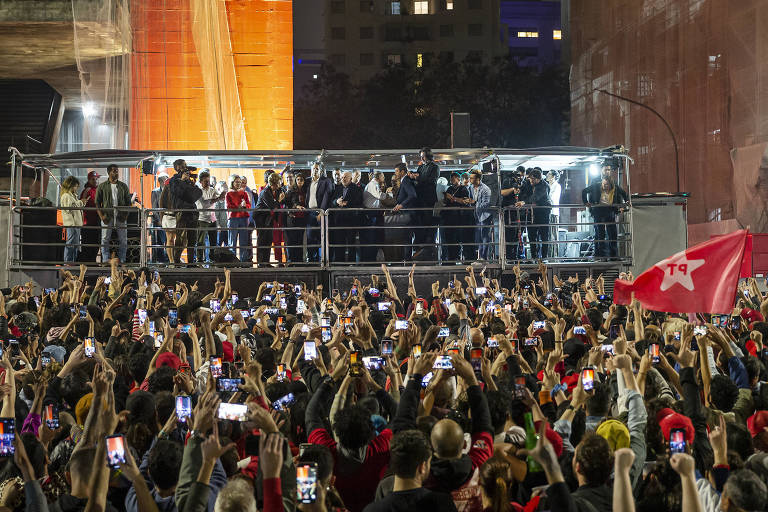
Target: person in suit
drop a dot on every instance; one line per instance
(451, 234)
(347, 195)
(406, 198)
(480, 197)
(158, 234)
(604, 199)
(267, 215)
(90, 234)
(319, 192)
(536, 195)
(426, 187)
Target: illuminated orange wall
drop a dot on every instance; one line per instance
(168, 105)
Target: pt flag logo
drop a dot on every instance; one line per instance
(678, 270)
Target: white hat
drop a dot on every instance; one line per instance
(162, 174)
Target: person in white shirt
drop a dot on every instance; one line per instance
(72, 219)
(553, 180)
(207, 217)
(375, 197)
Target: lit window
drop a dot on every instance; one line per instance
(314, 76)
(527, 34)
(419, 60)
(448, 5)
(393, 59)
(421, 7)
(557, 34)
(395, 8)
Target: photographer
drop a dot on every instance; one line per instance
(536, 196)
(184, 194)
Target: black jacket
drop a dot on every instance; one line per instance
(324, 192)
(457, 216)
(406, 194)
(537, 195)
(591, 194)
(426, 187)
(183, 193)
(354, 199)
(267, 202)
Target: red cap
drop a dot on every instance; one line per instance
(751, 315)
(168, 359)
(669, 419)
(229, 351)
(93, 174)
(757, 422)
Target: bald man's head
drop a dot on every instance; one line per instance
(447, 439)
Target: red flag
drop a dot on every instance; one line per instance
(702, 279)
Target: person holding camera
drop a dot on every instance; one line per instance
(604, 199)
(184, 194)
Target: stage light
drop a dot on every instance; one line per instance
(594, 170)
(89, 109)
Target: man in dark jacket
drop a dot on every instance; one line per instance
(455, 195)
(406, 198)
(536, 195)
(426, 187)
(113, 200)
(604, 199)
(319, 193)
(183, 194)
(271, 199)
(346, 195)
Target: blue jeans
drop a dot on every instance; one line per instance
(106, 236)
(158, 253)
(240, 233)
(483, 237)
(73, 244)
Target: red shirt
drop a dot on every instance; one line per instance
(233, 200)
(358, 487)
(88, 196)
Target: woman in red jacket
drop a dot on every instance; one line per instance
(238, 202)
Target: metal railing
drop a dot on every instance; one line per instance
(331, 239)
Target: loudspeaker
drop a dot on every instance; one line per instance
(460, 135)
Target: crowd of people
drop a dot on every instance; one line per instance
(132, 393)
(418, 216)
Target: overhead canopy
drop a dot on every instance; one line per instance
(449, 159)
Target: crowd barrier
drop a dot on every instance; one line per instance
(333, 238)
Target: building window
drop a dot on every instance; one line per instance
(392, 33)
(475, 56)
(338, 59)
(394, 8)
(366, 59)
(475, 29)
(557, 34)
(448, 5)
(338, 33)
(421, 7)
(338, 7)
(446, 57)
(526, 33)
(446, 30)
(394, 59)
(475, 4)
(420, 33)
(366, 32)
(419, 60)
(367, 6)
(645, 85)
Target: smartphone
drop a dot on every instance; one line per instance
(481, 290)
(579, 329)
(216, 368)
(497, 310)
(115, 450)
(49, 291)
(267, 298)
(301, 307)
(677, 335)
(347, 323)
(373, 292)
(384, 306)
(169, 291)
(89, 346)
(234, 298)
(724, 321)
(228, 317)
(173, 318)
(532, 342)
(83, 312)
(425, 380)
(310, 351)
(735, 323)
(282, 403)
(476, 358)
(374, 363)
(419, 308)
(588, 378)
(325, 321)
(715, 320)
(325, 334)
(443, 363)
(700, 330)
(514, 342)
(306, 482)
(607, 349)
(37, 301)
(416, 351)
(355, 364)
(51, 416)
(444, 332)
(353, 291)
(539, 324)
(519, 387)
(613, 331)
(183, 408)
(281, 323)
(653, 351)
(492, 342)
(281, 373)
(451, 284)
(151, 327)
(334, 292)
(401, 325)
(233, 412)
(185, 328)
(386, 347)
(223, 384)
(677, 440)
(142, 316)
(159, 338)
(453, 350)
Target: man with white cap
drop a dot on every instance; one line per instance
(158, 235)
(90, 233)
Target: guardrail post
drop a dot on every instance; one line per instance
(324, 259)
(143, 231)
(502, 252)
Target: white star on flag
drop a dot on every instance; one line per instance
(678, 269)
